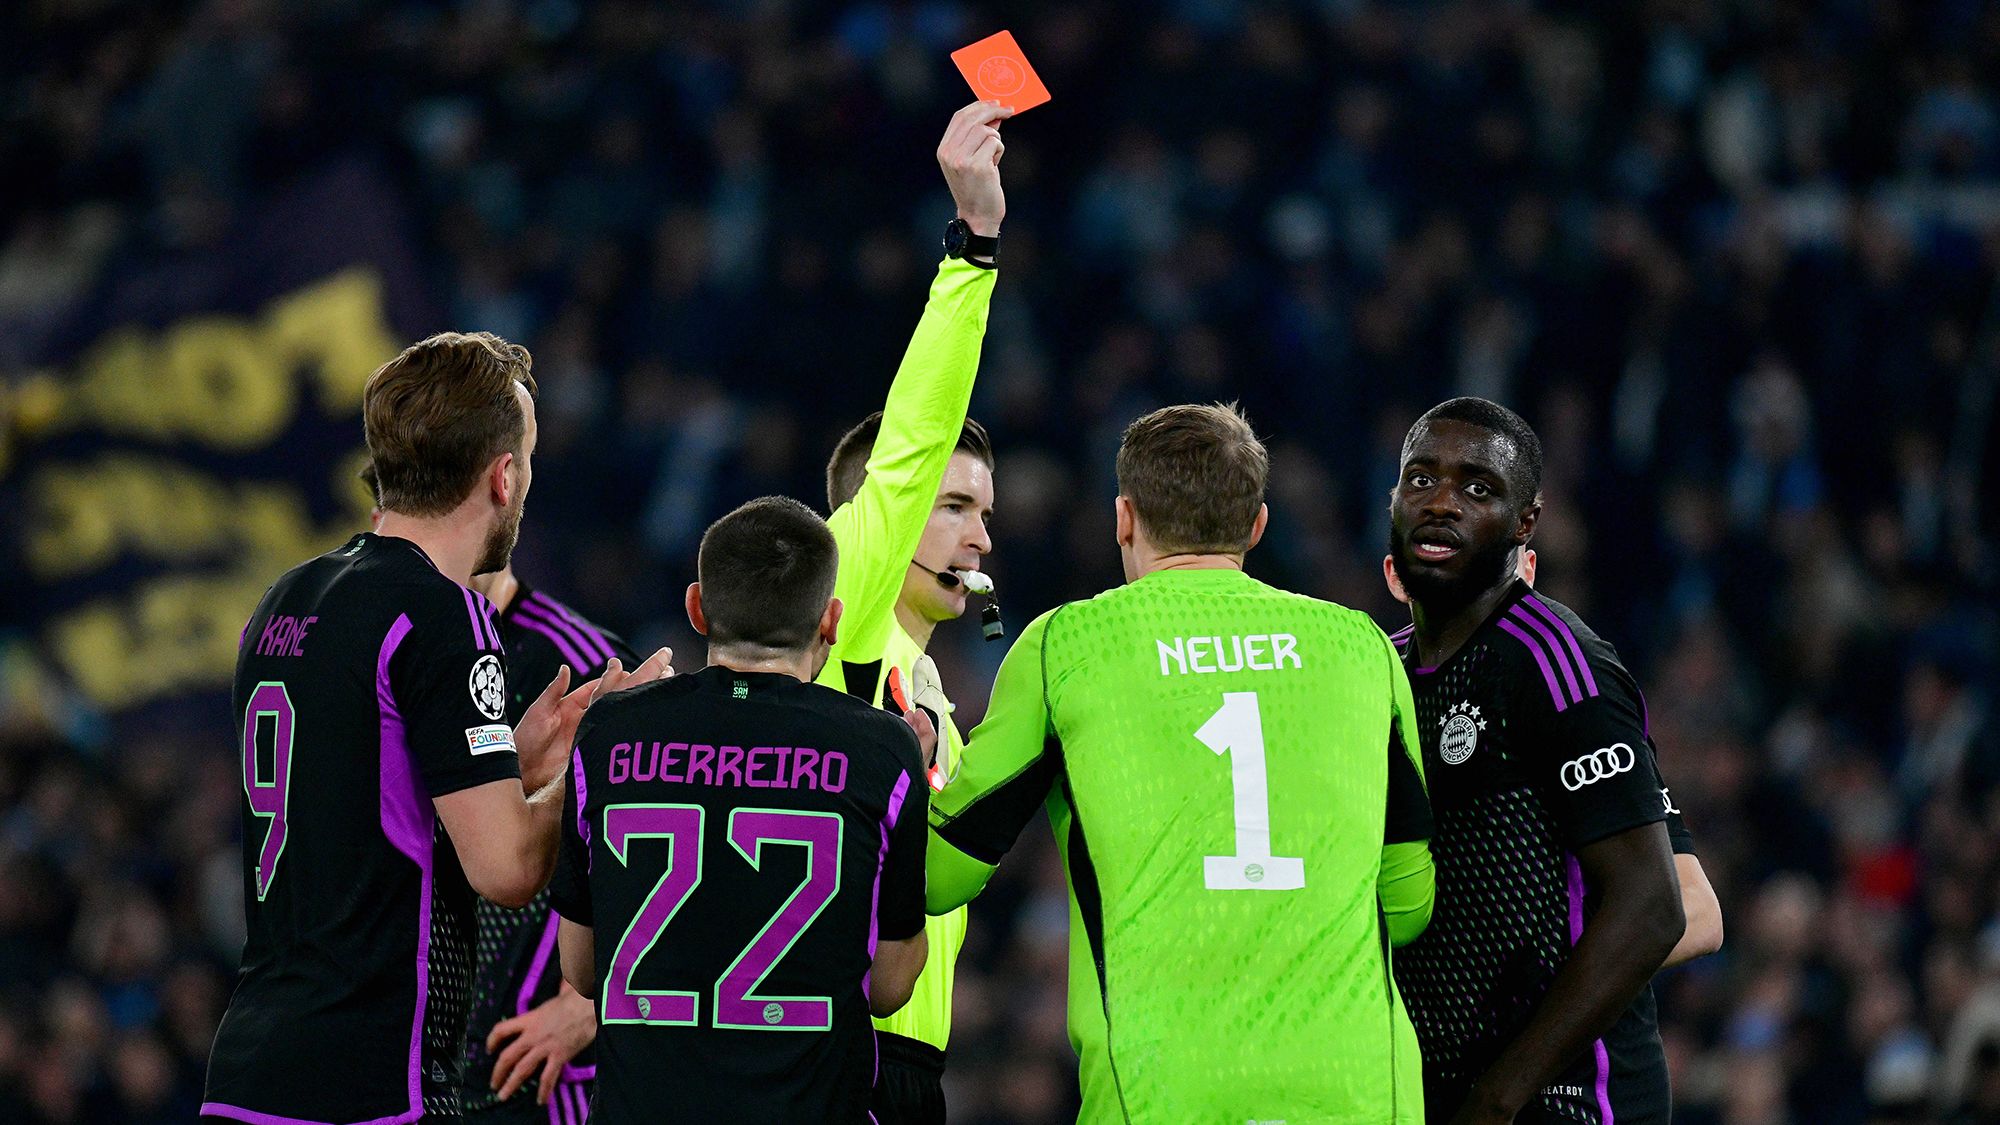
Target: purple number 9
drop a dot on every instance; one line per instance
(268, 797)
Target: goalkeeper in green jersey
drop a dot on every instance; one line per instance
(911, 490)
(1234, 779)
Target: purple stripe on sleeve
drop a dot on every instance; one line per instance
(486, 619)
(579, 1073)
(1589, 681)
(407, 820)
(1555, 650)
(889, 819)
(1403, 633)
(1604, 1084)
(588, 634)
(551, 626)
(896, 798)
(536, 967)
(589, 639)
(582, 802)
(472, 614)
(238, 1113)
(1576, 894)
(577, 665)
(1548, 675)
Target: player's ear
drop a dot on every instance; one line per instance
(1394, 580)
(829, 622)
(500, 480)
(1257, 526)
(695, 616)
(1530, 514)
(1127, 523)
(1526, 568)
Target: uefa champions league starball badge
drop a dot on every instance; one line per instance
(489, 687)
(1462, 725)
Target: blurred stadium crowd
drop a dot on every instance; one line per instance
(1735, 260)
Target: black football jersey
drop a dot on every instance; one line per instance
(515, 966)
(740, 842)
(367, 684)
(1536, 743)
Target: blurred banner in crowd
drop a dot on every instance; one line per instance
(193, 428)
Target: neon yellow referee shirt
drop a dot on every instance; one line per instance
(878, 531)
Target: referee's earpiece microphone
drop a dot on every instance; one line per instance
(975, 582)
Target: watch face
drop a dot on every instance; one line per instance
(955, 233)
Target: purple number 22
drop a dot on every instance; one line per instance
(268, 797)
(749, 831)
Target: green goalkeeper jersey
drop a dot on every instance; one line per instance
(877, 533)
(1235, 783)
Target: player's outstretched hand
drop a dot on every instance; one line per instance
(657, 667)
(546, 733)
(970, 156)
(927, 735)
(543, 736)
(545, 1038)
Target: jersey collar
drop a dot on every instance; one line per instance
(1515, 593)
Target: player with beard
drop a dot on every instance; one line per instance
(528, 1032)
(382, 787)
(1557, 896)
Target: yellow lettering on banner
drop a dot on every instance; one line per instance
(168, 635)
(226, 384)
(338, 328)
(116, 387)
(72, 531)
(85, 515)
(230, 382)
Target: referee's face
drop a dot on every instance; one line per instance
(955, 538)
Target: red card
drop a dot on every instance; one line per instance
(998, 71)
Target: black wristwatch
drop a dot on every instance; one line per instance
(960, 242)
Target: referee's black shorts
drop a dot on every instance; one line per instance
(909, 1086)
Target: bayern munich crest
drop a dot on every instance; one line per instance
(1462, 725)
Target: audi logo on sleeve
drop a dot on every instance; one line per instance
(1598, 765)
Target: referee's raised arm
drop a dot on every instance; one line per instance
(878, 513)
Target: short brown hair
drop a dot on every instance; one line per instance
(848, 466)
(438, 413)
(1195, 477)
(766, 571)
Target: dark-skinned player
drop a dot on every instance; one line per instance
(1557, 897)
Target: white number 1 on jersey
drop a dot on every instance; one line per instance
(1238, 731)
